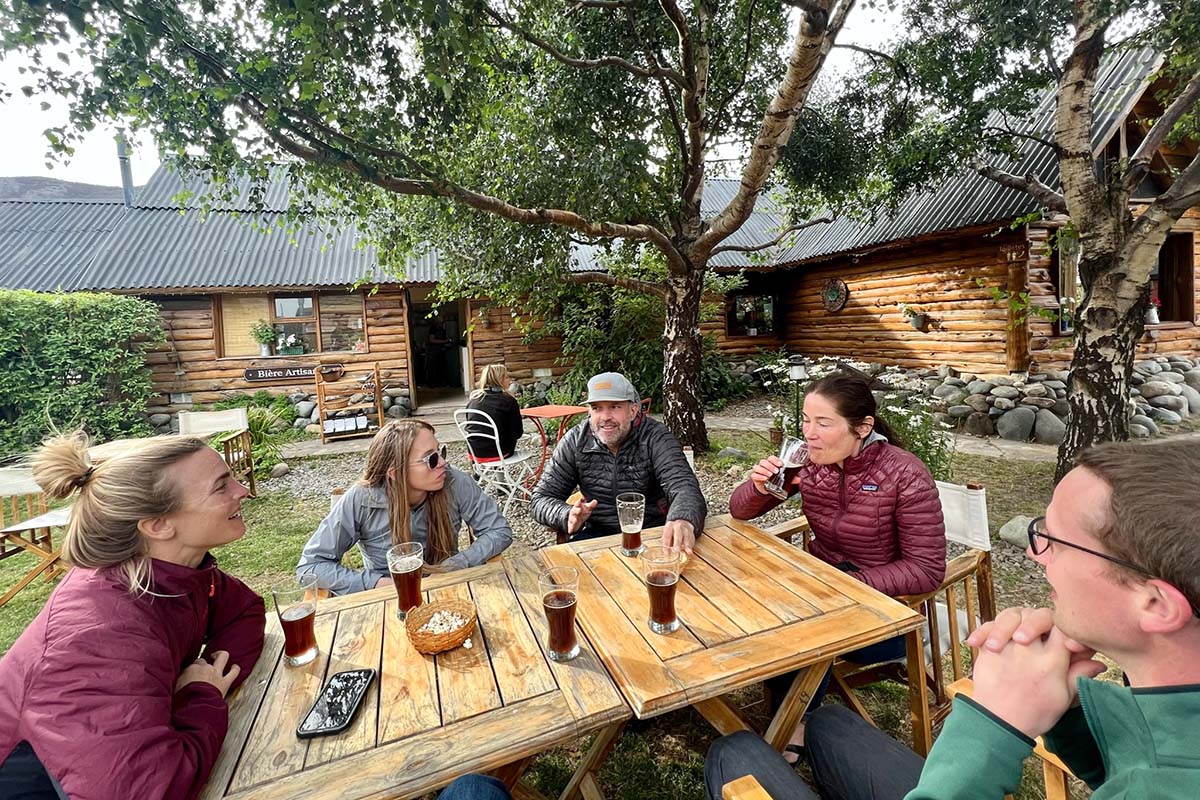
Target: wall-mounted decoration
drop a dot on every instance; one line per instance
(834, 294)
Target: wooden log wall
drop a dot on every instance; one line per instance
(187, 361)
(966, 327)
(1048, 351)
(501, 342)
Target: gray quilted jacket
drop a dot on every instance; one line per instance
(650, 461)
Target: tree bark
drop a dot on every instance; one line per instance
(682, 356)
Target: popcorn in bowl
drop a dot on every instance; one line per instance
(443, 622)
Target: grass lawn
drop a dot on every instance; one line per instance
(662, 758)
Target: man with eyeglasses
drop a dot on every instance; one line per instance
(1120, 544)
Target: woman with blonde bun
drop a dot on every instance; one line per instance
(118, 687)
(493, 398)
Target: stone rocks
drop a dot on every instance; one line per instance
(1148, 367)
(1048, 428)
(1169, 377)
(397, 411)
(1193, 398)
(280, 469)
(159, 420)
(1192, 378)
(314, 429)
(301, 422)
(1017, 424)
(1177, 404)
(980, 387)
(1036, 390)
(1152, 389)
(1144, 421)
(1006, 392)
(1061, 407)
(1004, 404)
(951, 394)
(394, 392)
(733, 452)
(1038, 402)
(305, 408)
(1165, 415)
(1016, 531)
(977, 401)
(980, 424)
(1138, 431)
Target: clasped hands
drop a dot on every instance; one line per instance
(678, 534)
(1027, 669)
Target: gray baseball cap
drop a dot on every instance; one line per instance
(611, 387)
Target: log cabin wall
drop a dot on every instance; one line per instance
(496, 339)
(187, 362)
(966, 327)
(1050, 351)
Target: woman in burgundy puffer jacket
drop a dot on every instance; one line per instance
(872, 505)
(106, 695)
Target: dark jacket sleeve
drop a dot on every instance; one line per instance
(922, 536)
(747, 503)
(509, 423)
(236, 618)
(549, 502)
(677, 479)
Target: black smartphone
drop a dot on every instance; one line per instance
(337, 704)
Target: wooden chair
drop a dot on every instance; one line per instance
(235, 443)
(969, 578)
(15, 509)
(746, 787)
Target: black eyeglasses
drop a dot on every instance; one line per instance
(433, 459)
(1039, 542)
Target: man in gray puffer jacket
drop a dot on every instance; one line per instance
(619, 449)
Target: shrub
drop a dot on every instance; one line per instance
(278, 403)
(921, 434)
(73, 360)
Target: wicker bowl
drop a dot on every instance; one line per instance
(430, 643)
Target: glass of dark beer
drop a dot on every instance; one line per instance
(560, 589)
(794, 455)
(631, 513)
(660, 565)
(405, 562)
(296, 603)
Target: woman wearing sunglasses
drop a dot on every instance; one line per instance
(407, 493)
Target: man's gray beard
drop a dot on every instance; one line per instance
(621, 433)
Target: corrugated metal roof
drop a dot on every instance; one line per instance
(165, 186)
(45, 245)
(969, 199)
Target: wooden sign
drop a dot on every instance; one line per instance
(257, 374)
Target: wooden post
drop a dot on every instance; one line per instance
(1016, 344)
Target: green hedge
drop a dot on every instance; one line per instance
(73, 360)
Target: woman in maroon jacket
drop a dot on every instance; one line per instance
(106, 695)
(872, 505)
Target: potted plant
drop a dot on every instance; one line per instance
(264, 334)
(289, 345)
(1152, 311)
(779, 419)
(915, 318)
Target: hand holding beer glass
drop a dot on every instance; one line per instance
(631, 513)
(660, 565)
(794, 455)
(560, 589)
(296, 603)
(405, 562)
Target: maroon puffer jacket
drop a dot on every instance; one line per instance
(880, 512)
(90, 684)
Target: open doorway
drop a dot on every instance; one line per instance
(437, 337)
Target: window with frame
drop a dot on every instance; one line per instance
(304, 322)
(750, 315)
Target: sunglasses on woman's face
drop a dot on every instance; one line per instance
(433, 459)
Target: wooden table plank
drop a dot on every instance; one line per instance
(741, 608)
(762, 584)
(521, 671)
(816, 591)
(628, 590)
(589, 692)
(357, 645)
(418, 764)
(243, 708)
(273, 750)
(466, 684)
(634, 666)
(408, 697)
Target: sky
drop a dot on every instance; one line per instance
(23, 151)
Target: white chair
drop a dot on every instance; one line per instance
(235, 445)
(506, 477)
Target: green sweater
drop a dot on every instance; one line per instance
(1135, 744)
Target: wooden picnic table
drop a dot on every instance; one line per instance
(539, 415)
(752, 607)
(426, 720)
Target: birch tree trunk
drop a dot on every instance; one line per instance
(682, 357)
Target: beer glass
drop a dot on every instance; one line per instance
(631, 513)
(560, 589)
(794, 455)
(296, 603)
(660, 565)
(405, 562)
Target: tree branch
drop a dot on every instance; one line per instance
(585, 63)
(716, 118)
(601, 3)
(615, 280)
(1139, 164)
(818, 31)
(755, 248)
(1029, 136)
(1029, 184)
(1073, 116)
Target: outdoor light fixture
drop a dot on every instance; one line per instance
(797, 372)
